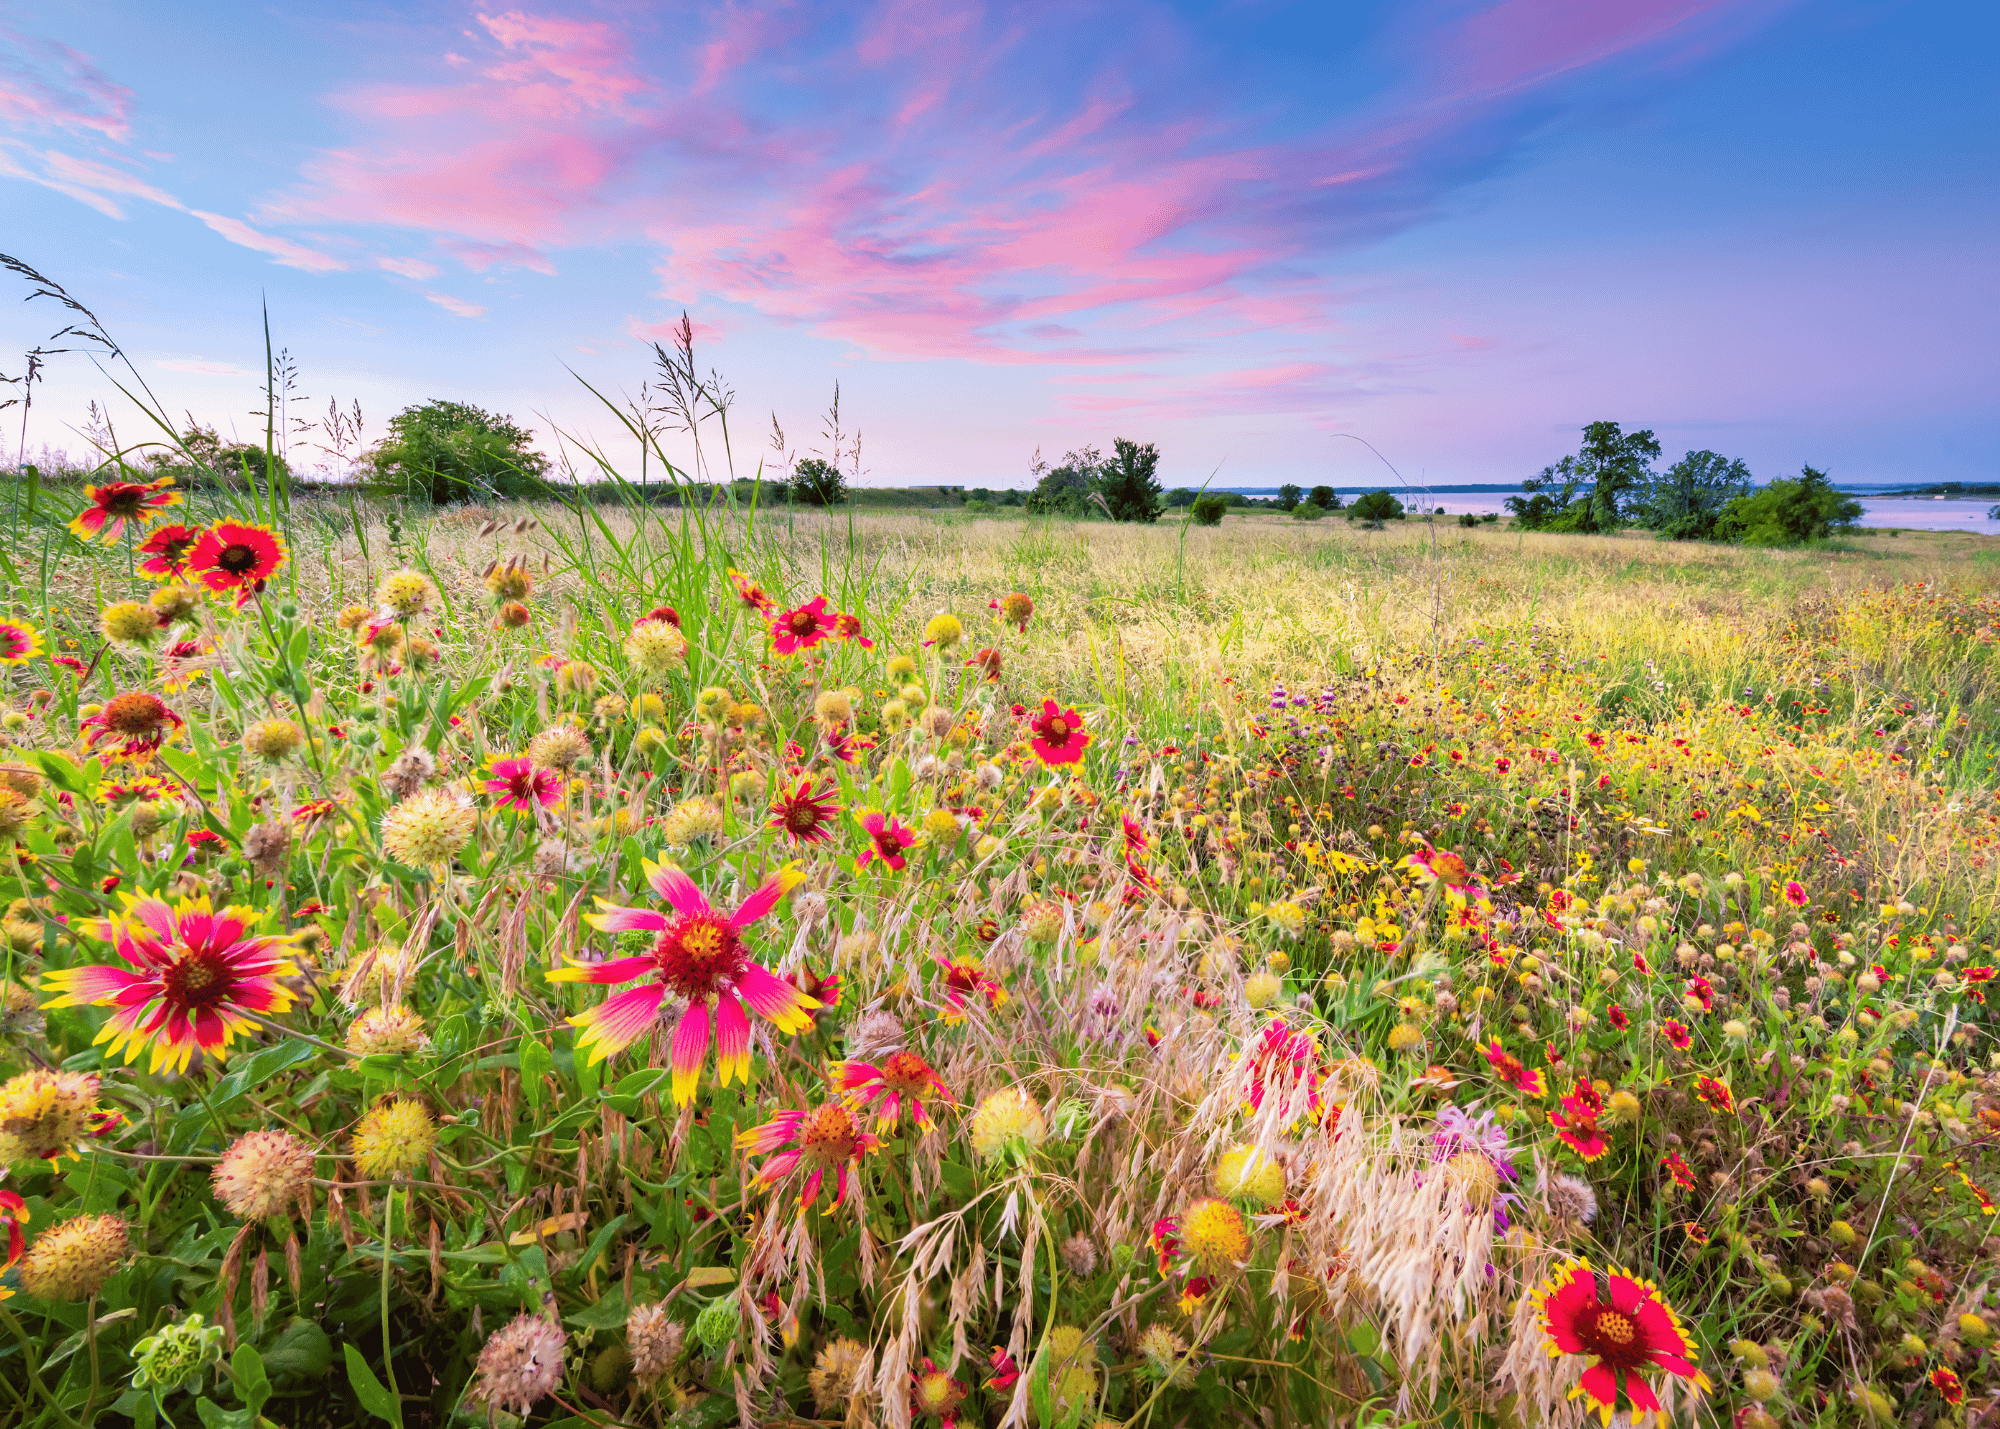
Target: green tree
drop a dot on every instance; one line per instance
(1064, 490)
(1375, 506)
(1789, 512)
(1289, 497)
(1325, 498)
(453, 451)
(1130, 483)
(818, 482)
(1208, 509)
(1590, 491)
(1685, 502)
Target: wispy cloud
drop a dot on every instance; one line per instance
(47, 85)
(451, 304)
(412, 268)
(281, 250)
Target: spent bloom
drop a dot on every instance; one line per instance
(1008, 1121)
(1251, 1174)
(1214, 1236)
(1015, 608)
(836, 1374)
(699, 957)
(428, 828)
(521, 1365)
(404, 594)
(655, 1342)
(828, 1141)
(71, 1261)
(193, 979)
(45, 1112)
(263, 1175)
(655, 648)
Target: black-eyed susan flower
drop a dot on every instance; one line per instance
(116, 502)
(1622, 1326)
(701, 958)
(192, 976)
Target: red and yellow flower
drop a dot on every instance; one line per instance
(899, 1080)
(962, 978)
(1513, 1072)
(828, 1139)
(1431, 865)
(701, 958)
(1714, 1094)
(116, 502)
(888, 837)
(130, 726)
(236, 556)
(20, 642)
(1622, 1326)
(804, 810)
(167, 552)
(518, 784)
(192, 978)
(750, 593)
(804, 627)
(1058, 735)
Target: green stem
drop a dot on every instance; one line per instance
(388, 1344)
(34, 1370)
(90, 1336)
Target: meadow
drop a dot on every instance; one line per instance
(608, 965)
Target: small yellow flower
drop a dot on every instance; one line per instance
(394, 1139)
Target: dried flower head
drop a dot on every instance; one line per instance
(1571, 1199)
(43, 1114)
(1215, 1237)
(690, 820)
(655, 1342)
(1008, 1120)
(386, 1029)
(72, 1261)
(412, 769)
(428, 828)
(836, 1375)
(267, 844)
(1079, 1256)
(128, 622)
(393, 1139)
(655, 649)
(560, 746)
(263, 1175)
(273, 739)
(405, 593)
(1165, 1356)
(521, 1365)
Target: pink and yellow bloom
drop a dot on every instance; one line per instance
(804, 627)
(116, 502)
(700, 958)
(1057, 735)
(20, 642)
(1435, 866)
(962, 978)
(167, 552)
(1622, 1325)
(901, 1079)
(828, 1139)
(1510, 1070)
(130, 726)
(193, 975)
(518, 784)
(804, 811)
(887, 838)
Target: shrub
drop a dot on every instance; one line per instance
(1289, 497)
(1466, 518)
(453, 451)
(1686, 501)
(1306, 511)
(818, 482)
(1325, 498)
(1208, 509)
(1789, 512)
(1375, 506)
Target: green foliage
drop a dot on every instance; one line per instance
(1590, 491)
(1182, 496)
(1209, 508)
(453, 451)
(1289, 496)
(1376, 506)
(1306, 511)
(817, 482)
(1325, 498)
(1789, 512)
(1685, 502)
(1064, 489)
(1129, 482)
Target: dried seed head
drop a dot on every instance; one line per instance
(267, 844)
(874, 1035)
(405, 593)
(1571, 1199)
(559, 747)
(1009, 1118)
(1079, 1256)
(73, 1260)
(655, 1340)
(386, 1029)
(1250, 1174)
(44, 1113)
(521, 1364)
(272, 739)
(262, 1175)
(835, 1375)
(428, 828)
(1165, 1356)
(413, 769)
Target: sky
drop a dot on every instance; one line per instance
(1247, 232)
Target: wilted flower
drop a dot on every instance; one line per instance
(521, 1365)
(655, 1342)
(263, 1175)
(45, 1112)
(390, 1028)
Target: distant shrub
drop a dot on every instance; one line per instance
(978, 506)
(816, 482)
(1306, 511)
(1466, 518)
(1789, 512)
(1208, 509)
(1375, 506)
(454, 451)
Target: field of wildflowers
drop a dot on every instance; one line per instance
(582, 966)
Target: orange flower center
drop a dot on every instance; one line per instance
(1615, 1328)
(905, 1072)
(830, 1135)
(1057, 729)
(699, 955)
(135, 714)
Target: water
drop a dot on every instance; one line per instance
(1908, 513)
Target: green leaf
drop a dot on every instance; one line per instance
(301, 1348)
(374, 1396)
(252, 1385)
(536, 1064)
(608, 1313)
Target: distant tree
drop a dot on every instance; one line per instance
(1209, 508)
(1590, 491)
(1129, 482)
(1011, 497)
(1064, 489)
(1182, 496)
(1684, 502)
(202, 457)
(980, 493)
(454, 451)
(1789, 512)
(1325, 498)
(817, 482)
(1289, 497)
(1993, 514)
(1375, 506)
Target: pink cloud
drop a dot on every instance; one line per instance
(413, 268)
(102, 177)
(481, 256)
(48, 85)
(664, 331)
(282, 250)
(455, 305)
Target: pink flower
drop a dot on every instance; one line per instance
(518, 784)
(902, 1078)
(887, 838)
(805, 627)
(1058, 736)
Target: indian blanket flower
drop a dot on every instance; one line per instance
(1057, 735)
(116, 502)
(888, 836)
(751, 594)
(518, 784)
(1795, 893)
(1214, 1237)
(899, 1080)
(804, 810)
(987, 661)
(933, 1392)
(1676, 1167)
(1283, 1062)
(963, 977)
(804, 627)
(1511, 1071)
(1576, 1127)
(1947, 1383)
(1015, 608)
(828, 1139)
(1437, 866)
(699, 957)
(1622, 1326)
(20, 642)
(848, 627)
(1677, 1034)
(239, 557)
(166, 551)
(194, 979)
(1714, 1094)
(130, 726)
(14, 1211)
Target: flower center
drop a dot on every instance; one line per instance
(830, 1134)
(134, 714)
(905, 1072)
(1057, 730)
(802, 623)
(1614, 1337)
(197, 981)
(1450, 867)
(124, 500)
(801, 818)
(236, 558)
(699, 956)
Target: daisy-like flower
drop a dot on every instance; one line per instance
(986, 660)
(167, 551)
(1947, 1383)
(804, 810)
(20, 642)
(804, 627)
(192, 975)
(900, 1079)
(116, 502)
(935, 1393)
(750, 594)
(1714, 1094)
(236, 556)
(518, 784)
(1576, 1127)
(1436, 866)
(1282, 1062)
(828, 1139)
(131, 726)
(1623, 1326)
(962, 978)
(1675, 1165)
(848, 627)
(14, 1211)
(699, 957)
(1677, 1034)
(888, 836)
(1510, 1070)
(1696, 1233)
(1795, 893)
(1057, 735)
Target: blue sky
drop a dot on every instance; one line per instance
(1460, 230)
